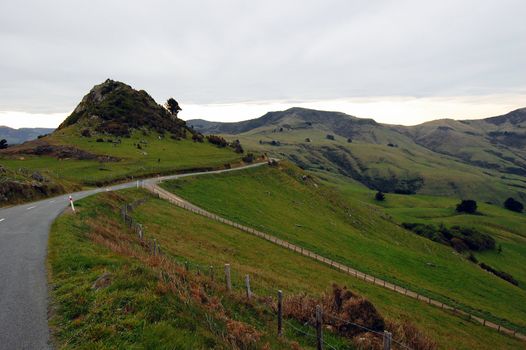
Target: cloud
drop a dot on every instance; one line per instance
(209, 52)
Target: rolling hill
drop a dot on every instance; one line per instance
(116, 133)
(482, 159)
(17, 136)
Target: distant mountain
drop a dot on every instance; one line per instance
(17, 136)
(483, 158)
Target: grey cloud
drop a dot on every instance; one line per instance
(228, 51)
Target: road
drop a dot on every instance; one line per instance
(24, 233)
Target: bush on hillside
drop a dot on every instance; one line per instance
(460, 238)
(505, 276)
(236, 145)
(85, 133)
(513, 205)
(217, 140)
(342, 308)
(467, 206)
(379, 196)
(330, 137)
(198, 137)
(249, 158)
(3, 144)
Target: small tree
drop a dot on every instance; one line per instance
(172, 106)
(468, 206)
(3, 144)
(379, 196)
(513, 205)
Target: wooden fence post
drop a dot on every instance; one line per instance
(211, 270)
(247, 285)
(319, 331)
(280, 313)
(387, 340)
(154, 247)
(227, 277)
(187, 265)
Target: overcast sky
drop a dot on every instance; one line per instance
(395, 61)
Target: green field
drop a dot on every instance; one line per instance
(370, 160)
(507, 227)
(156, 156)
(135, 312)
(352, 232)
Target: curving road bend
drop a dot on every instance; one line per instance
(24, 233)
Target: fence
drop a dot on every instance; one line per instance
(232, 284)
(161, 193)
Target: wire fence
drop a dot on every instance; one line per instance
(229, 277)
(161, 193)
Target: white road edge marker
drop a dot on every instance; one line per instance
(2, 219)
(71, 202)
(33, 207)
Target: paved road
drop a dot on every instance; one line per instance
(23, 280)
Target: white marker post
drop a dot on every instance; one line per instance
(71, 202)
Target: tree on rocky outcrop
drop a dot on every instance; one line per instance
(173, 106)
(3, 144)
(513, 205)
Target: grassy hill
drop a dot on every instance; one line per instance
(135, 306)
(285, 203)
(482, 159)
(115, 134)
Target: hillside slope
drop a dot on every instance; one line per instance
(116, 133)
(483, 159)
(148, 301)
(283, 202)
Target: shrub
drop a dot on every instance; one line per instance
(460, 238)
(3, 144)
(236, 145)
(349, 140)
(458, 244)
(379, 196)
(330, 137)
(217, 140)
(513, 205)
(249, 158)
(505, 276)
(100, 140)
(198, 137)
(468, 206)
(474, 239)
(86, 133)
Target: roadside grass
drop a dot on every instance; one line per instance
(316, 217)
(130, 313)
(137, 309)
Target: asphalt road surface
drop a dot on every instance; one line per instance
(24, 233)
